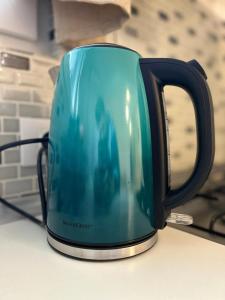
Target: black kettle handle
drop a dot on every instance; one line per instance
(191, 77)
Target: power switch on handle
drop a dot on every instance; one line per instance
(197, 65)
(181, 219)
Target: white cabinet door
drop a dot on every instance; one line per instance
(19, 18)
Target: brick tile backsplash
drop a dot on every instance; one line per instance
(23, 93)
(28, 171)
(33, 111)
(7, 138)
(18, 186)
(8, 172)
(6, 77)
(28, 79)
(11, 156)
(11, 125)
(16, 94)
(44, 96)
(7, 109)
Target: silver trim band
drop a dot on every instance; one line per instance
(102, 254)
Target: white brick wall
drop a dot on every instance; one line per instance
(22, 94)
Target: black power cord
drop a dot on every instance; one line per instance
(44, 142)
(215, 219)
(24, 142)
(41, 183)
(21, 212)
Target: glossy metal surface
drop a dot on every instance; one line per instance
(103, 254)
(100, 161)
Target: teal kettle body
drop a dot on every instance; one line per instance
(108, 190)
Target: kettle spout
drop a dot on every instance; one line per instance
(53, 72)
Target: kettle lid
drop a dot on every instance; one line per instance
(106, 45)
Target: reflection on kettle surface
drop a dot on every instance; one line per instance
(107, 173)
(76, 174)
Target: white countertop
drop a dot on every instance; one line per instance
(180, 266)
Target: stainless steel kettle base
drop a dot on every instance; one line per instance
(102, 254)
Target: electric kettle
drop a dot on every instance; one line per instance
(108, 178)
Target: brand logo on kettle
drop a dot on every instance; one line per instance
(77, 225)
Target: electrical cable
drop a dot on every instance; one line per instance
(44, 142)
(24, 142)
(41, 184)
(206, 196)
(215, 219)
(21, 212)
